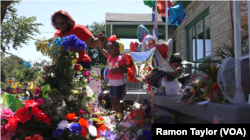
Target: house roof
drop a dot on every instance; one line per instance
(3, 7)
(124, 17)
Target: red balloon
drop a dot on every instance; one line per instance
(163, 50)
(133, 46)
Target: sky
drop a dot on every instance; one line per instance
(83, 12)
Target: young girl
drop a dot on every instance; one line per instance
(116, 69)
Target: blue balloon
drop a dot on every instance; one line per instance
(105, 74)
(27, 64)
(142, 31)
(177, 14)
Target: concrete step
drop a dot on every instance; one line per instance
(135, 95)
(165, 117)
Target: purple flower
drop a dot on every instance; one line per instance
(75, 128)
(57, 133)
(108, 135)
(72, 42)
(146, 134)
(89, 122)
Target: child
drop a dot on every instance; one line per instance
(116, 69)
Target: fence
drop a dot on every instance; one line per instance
(135, 86)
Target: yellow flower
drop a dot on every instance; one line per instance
(10, 81)
(13, 86)
(34, 86)
(81, 68)
(73, 61)
(17, 84)
(14, 91)
(75, 92)
(30, 85)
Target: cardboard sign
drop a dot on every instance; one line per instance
(95, 85)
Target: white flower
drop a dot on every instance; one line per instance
(89, 91)
(92, 131)
(63, 124)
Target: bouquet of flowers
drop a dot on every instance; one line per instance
(60, 91)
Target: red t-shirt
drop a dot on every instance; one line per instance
(82, 33)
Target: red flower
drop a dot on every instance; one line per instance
(35, 137)
(98, 125)
(23, 110)
(46, 119)
(12, 123)
(22, 114)
(215, 86)
(77, 67)
(70, 116)
(98, 136)
(84, 132)
(36, 112)
(102, 128)
(31, 103)
(24, 117)
(84, 123)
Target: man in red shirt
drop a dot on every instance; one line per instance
(65, 26)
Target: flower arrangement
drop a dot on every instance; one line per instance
(20, 122)
(60, 92)
(194, 90)
(176, 63)
(79, 126)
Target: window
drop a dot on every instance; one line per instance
(198, 39)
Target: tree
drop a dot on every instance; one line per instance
(15, 65)
(17, 30)
(96, 28)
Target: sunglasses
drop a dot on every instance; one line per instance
(60, 23)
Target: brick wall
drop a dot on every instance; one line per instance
(221, 23)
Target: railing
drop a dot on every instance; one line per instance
(133, 86)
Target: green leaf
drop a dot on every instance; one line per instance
(93, 96)
(97, 120)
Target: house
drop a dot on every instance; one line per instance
(206, 26)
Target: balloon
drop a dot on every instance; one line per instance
(139, 48)
(177, 14)
(121, 45)
(27, 64)
(133, 46)
(170, 48)
(163, 50)
(104, 100)
(105, 74)
(161, 7)
(147, 43)
(149, 3)
(142, 31)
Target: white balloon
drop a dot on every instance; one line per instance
(92, 131)
(170, 48)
